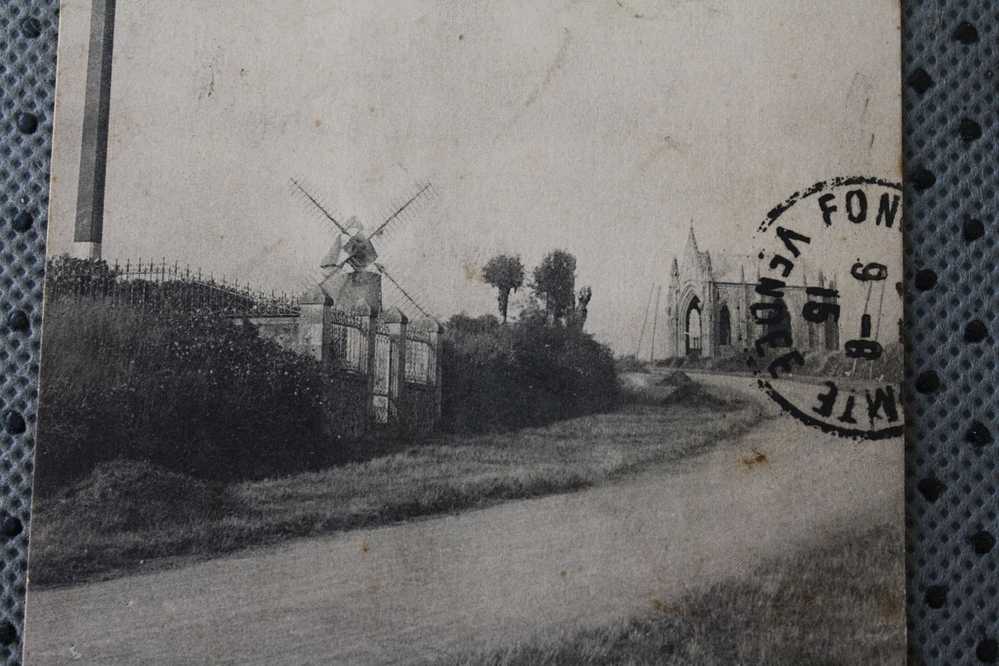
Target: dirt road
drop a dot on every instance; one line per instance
(407, 592)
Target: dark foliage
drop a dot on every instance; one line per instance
(65, 275)
(500, 377)
(506, 273)
(555, 283)
(197, 394)
(676, 378)
(887, 368)
(630, 363)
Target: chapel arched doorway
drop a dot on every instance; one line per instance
(692, 328)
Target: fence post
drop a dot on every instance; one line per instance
(371, 331)
(395, 321)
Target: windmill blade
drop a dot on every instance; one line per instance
(381, 228)
(381, 269)
(329, 216)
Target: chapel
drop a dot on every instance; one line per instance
(708, 305)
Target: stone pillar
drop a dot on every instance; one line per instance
(395, 321)
(678, 331)
(315, 325)
(89, 228)
(435, 332)
(371, 331)
(708, 306)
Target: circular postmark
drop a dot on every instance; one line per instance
(826, 307)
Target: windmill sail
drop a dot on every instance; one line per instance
(381, 269)
(395, 215)
(357, 249)
(331, 260)
(326, 213)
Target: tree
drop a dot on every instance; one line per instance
(506, 273)
(582, 307)
(555, 283)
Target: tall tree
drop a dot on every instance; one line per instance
(555, 283)
(582, 307)
(506, 273)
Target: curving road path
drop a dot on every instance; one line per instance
(431, 587)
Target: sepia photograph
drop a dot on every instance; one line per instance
(472, 333)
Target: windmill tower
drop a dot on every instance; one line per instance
(351, 274)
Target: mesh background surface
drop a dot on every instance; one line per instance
(950, 131)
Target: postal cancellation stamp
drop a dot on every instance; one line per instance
(850, 227)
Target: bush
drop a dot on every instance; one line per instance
(124, 496)
(676, 378)
(196, 394)
(630, 363)
(887, 368)
(498, 377)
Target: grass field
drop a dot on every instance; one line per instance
(842, 604)
(130, 517)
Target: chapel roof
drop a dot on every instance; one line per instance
(745, 267)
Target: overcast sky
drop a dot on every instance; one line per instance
(600, 127)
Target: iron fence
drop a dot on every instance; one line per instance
(349, 347)
(161, 286)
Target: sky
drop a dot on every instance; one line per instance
(601, 127)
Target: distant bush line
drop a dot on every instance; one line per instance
(206, 396)
(502, 376)
(888, 367)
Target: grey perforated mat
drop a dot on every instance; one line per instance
(949, 68)
(950, 130)
(27, 67)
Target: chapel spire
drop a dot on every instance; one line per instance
(691, 239)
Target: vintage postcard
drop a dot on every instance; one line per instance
(508, 332)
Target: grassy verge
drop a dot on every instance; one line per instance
(128, 517)
(841, 604)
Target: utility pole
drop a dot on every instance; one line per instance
(645, 320)
(89, 227)
(655, 321)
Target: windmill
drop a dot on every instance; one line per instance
(353, 248)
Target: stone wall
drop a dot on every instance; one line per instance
(413, 394)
